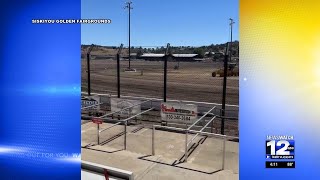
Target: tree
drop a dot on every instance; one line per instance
(139, 53)
(199, 51)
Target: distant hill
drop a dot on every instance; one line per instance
(106, 51)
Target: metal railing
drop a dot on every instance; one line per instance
(201, 130)
(188, 130)
(224, 137)
(197, 121)
(125, 122)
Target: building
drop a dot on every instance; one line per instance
(173, 57)
(133, 56)
(151, 57)
(185, 57)
(206, 54)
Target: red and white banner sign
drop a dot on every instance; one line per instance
(97, 120)
(179, 112)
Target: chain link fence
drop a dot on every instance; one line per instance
(193, 74)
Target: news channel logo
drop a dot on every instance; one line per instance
(280, 151)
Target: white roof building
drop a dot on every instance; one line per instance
(206, 53)
(152, 55)
(184, 55)
(174, 55)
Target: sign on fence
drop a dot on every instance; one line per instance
(118, 104)
(92, 101)
(179, 112)
(97, 120)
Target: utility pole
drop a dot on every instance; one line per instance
(88, 68)
(228, 54)
(165, 73)
(128, 6)
(224, 90)
(230, 49)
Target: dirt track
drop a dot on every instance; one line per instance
(192, 81)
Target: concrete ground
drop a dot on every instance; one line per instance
(204, 161)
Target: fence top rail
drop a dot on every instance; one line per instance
(168, 100)
(108, 114)
(202, 117)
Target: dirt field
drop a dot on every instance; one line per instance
(192, 81)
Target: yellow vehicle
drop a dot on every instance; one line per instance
(233, 70)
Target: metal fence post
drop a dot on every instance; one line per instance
(165, 79)
(125, 135)
(98, 134)
(88, 69)
(118, 70)
(212, 127)
(225, 74)
(165, 74)
(153, 130)
(186, 148)
(224, 151)
(88, 74)
(118, 75)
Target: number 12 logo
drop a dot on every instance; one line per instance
(281, 147)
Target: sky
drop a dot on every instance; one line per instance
(158, 22)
